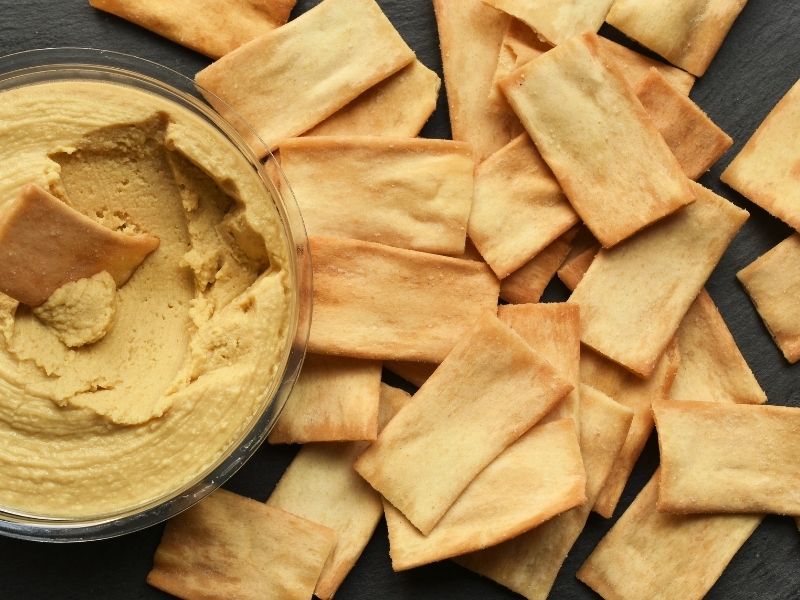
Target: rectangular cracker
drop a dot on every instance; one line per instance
(634, 297)
(377, 302)
(519, 208)
(320, 485)
(398, 106)
(680, 556)
(335, 399)
(413, 372)
(773, 284)
(766, 170)
(283, 83)
(470, 33)
(636, 394)
(720, 458)
(240, 548)
(489, 390)
(556, 22)
(553, 330)
(530, 563)
(588, 124)
(695, 140)
(687, 33)
(527, 284)
(210, 27)
(538, 477)
(406, 192)
(712, 367)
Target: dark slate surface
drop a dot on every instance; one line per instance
(758, 62)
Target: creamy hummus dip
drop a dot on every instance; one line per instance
(179, 361)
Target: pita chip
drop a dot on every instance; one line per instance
(520, 45)
(413, 372)
(695, 140)
(320, 485)
(527, 284)
(539, 476)
(377, 302)
(687, 33)
(585, 126)
(773, 283)
(210, 27)
(529, 564)
(767, 169)
(470, 33)
(489, 390)
(557, 22)
(634, 297)
(648, 550)
(334, 399)
(399, 106)
(518, 209)
(410, 193)
(720, 458)
(711, 366)
(290, 79)
(240, 548)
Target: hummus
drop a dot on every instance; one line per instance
(113, 398)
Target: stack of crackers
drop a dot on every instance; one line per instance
(528, 416)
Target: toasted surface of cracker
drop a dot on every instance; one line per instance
(211, 27)
(287, 81)
(773, 283)
(539, 476)
(695, 140)
(519, 208)
(488, 391)
(240, 548)
(527, 284)
(687, 33)
(334, 399)
(589, 123)
(406, 192)
(681, 556)
(378, 302)
(399, 106)
(634, 297)
(557, 22)
(767, 169)
(530, 563)
(719, 458)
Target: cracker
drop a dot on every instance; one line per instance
(553, 330)
(687, 33)
(320, 485)
(766, 170)
(470, 33)
(712, 367)
(240, 548)
(633, 297)
(290, 79)
(413, 372)
(530, 563)
(406, 192)
(539, 476)
(557, 22)
(455, 426)
(399, 106)
(636, 394)
(588, 124)
(634, 67)
(334, 399)
(773, 283)
(519, 46)
(527, 284)
(518, 209)
(719, 458)
(378, 302)
(680, 556)
(695, 140)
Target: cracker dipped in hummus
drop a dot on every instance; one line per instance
(100, 415)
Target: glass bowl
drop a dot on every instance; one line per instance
(80, 64)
